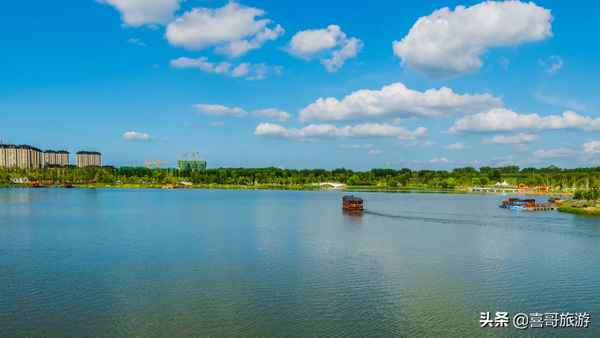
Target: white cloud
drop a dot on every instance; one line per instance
(308, 43)
(504, 63)
(136, 136)
(455, 146)
(272, 113)
(137, 13)
(375, 152)
(553, 64)
(558, 101)
(439, 160)
(356, 146)
(246, 70)
(328, 130)
(553, 153)
(221, 110)
(203, 64)
(136, 41)
(512, 139)
(241, 47)
(448, 42)
(233, 29)
(261, 71)
(591, 147)
(312, 41)
(501, 119)
(350, 49)
(240, 70)
(400, 100)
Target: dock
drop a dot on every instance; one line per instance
(530, 204)
(543, 207)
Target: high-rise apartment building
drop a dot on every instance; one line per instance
(22, 156)
(89, 159)
(54, 158)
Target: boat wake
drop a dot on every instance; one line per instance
(422, 219)
(545, 224)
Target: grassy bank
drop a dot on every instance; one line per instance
(197, 186)
(368, 188)
(306, 187)
(303, 187)
(588, 208)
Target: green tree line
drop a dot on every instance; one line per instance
(572, 179)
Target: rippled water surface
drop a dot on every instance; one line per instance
(149, 263)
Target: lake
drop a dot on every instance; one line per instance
(216, 263)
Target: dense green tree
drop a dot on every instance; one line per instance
(583, 179)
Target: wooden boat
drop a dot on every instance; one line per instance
(352, 203)
(517, 204)
(529, 204)
(68, 185)
(36, 184)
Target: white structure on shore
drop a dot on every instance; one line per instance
(332, 185)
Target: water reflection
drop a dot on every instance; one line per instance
(264, 263)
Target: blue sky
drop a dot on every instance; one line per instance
(491, 83)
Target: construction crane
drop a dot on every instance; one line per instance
(154, 164)
(194, 156)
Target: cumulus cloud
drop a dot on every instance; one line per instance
(455, 146)
(328, 130)
(591, 147)
(554, 153)
(439, 160)
(241, 47)
(350, 49)
(203, 64)
(356, 146)
(450, 42)
(221, 110)
(331, 40)
(136, 41)
(553, 64)
(512, 139)
(232, 29)
(272, 113)
(397, 99)
(245, 70)
(136, 136)
(501, 119)
(555, 100)
(137, 13)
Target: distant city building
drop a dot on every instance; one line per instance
(191, 165)
(22, 156)
(89, 159)
(8, 155)
(54, 158)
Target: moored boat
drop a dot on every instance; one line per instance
(529, 204)
(36, 184)
(518, 203)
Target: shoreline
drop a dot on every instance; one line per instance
(349, 189)
(583, 210)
